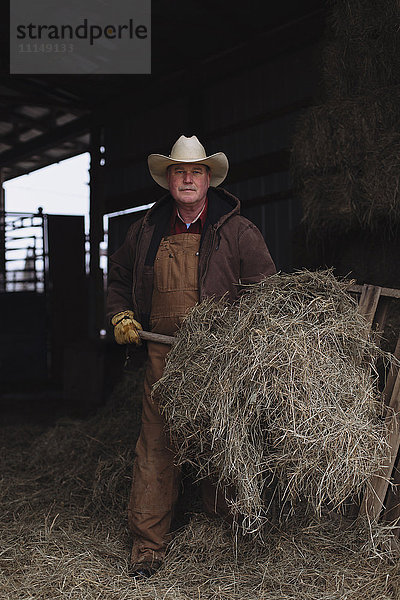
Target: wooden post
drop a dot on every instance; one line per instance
(96, 232)
(2, 234)
(368, 303)
(374, 497)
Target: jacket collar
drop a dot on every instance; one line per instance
(221, 205)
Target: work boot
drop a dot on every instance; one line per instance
(144, 569)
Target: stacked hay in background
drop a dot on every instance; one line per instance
(345, 158)
(362, 50)
(277, 393)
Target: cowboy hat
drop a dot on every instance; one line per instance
(188, 150)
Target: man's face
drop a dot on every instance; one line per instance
(188, 184)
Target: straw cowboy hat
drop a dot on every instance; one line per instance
(188, 150)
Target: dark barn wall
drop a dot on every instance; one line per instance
(250, 115)
(67, 310)
(23, 339)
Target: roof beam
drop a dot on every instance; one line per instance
(35, 88)
(15, 118)
(43, 142)
(13, 101)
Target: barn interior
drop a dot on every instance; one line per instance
(239, 84)
(303, 97)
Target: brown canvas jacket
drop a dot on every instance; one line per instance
(232, 252)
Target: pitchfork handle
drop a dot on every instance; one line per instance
(157, 337)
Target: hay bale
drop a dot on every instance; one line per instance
(362, 48)
(380, 184)
(344, 162)
(363, 18)
(364, 195)
(358, 66)
(331, 203)
(338, 160)
(340, 134)
(278, 388)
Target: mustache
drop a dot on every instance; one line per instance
(187, 187)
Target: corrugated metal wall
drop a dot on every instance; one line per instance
(251, 117)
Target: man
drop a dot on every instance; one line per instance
(190, 245)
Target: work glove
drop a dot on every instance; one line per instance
(126, 328)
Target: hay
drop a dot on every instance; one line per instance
(355, 67)
(362, 18)
(63, 534)
(68, 558)
(345, 152)
(330, 204)
(380, 183)
(364, 196)
(341, 134)
(83, 463)
(277, 389)
(363, 53)
(344, 162)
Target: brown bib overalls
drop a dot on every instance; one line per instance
(155, 477)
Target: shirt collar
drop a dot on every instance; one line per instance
(202, 214)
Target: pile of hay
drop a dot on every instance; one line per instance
(62, 557)
(277, 392)
(63, 529)
(86, 465)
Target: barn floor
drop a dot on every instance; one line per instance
(63, 535)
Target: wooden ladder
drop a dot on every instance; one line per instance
(379, 500)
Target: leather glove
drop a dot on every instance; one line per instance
(126, 328)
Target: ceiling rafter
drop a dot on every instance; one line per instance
(11, 116)
(219, 41)
(42, 142)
